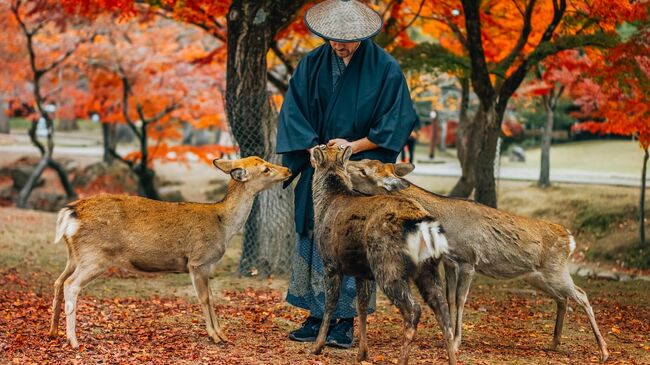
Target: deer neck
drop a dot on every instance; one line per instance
(236, 205)
(326, 186)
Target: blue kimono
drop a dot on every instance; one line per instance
(367, 98)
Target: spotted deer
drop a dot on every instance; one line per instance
(493, 242)
(153, 236)
(388, 239)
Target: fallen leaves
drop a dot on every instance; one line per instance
(164, 330)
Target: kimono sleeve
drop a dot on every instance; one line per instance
(394, 115)
(295, 132)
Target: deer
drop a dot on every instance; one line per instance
(495, 243)
(145, 235)
(392, 240)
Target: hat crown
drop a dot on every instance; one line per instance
(343, 20)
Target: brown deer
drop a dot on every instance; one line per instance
(153, 236)
(388, 239)
(494, 243)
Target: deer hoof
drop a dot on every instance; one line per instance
(74, 344)
(362, 356)
(554, 345)
(604, 357)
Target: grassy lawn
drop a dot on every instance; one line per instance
(604, 156)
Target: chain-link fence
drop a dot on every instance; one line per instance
(269, 233)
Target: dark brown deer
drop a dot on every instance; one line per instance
(388, 239)
(493, 242)
(153, 236)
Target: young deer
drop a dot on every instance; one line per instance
(388, 239)
(153, 236)
(494, 243)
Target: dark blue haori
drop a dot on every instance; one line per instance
(326, 100)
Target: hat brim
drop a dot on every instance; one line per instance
(362, 23)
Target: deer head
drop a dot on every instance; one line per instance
(253, 171)
(376, 178)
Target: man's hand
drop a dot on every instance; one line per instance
(360, 145)
(338, 142)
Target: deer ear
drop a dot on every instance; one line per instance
(223, 165)
(319, 156)
(240, 174)
(345, 156)
(403, 169)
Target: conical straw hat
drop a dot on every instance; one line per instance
(343, 20)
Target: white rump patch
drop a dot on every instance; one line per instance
(572, 243)
(65, 225)
(428, 241)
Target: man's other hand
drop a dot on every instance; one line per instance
(340, 142)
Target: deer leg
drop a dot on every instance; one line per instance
(215, 319)
(399, 293)
(559, 322)
(199, 276)
(332, 281)
(58, 296)
(451, 280)
(363, 298)
(465, 275)
(82, 275)
(429, 284)
(580, 297)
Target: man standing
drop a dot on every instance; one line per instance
(347, 92)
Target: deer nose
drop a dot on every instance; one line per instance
(394, 184)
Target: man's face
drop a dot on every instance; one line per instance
(344, 49)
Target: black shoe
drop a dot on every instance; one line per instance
(342, 334)
(308, 331)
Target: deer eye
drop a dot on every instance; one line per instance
(266, 170)
(363, 172)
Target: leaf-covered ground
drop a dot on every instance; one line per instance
(125, 318)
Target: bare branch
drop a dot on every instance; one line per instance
(480, 75)
(120, 158)
(415, 17)
(454, 28)
(277, 82)
(278, 53)
(126, 90)
(168, 109)
(504, 65)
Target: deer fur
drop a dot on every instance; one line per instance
(388, 239)
(493, 242)
(146, 235)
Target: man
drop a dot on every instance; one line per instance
(347, 92)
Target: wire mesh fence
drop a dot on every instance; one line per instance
(269, 233)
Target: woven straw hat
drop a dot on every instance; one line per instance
(343, 20)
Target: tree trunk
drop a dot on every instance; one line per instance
(269, 234)
(490, 128)
(4, 119)
(642, 199)
(146, 178)
(545, 168)
(45, 161)
(465, 184)
(110, 141)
